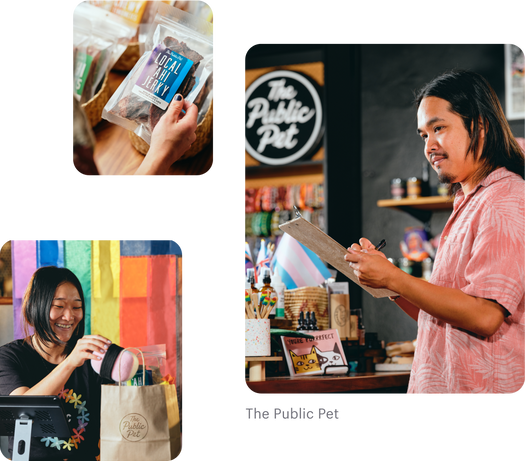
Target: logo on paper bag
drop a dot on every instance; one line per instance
(133, 427)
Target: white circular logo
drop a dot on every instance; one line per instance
(284, 117)
(133, 427)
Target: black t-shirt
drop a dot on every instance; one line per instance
(22, 366)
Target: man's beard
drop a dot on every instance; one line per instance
(446, 178)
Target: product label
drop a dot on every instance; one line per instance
(132, 11)
(82, 66)
(162, 76)
(134, 427)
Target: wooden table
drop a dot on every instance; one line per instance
(257, 367)
(378, 382)
(114, 153)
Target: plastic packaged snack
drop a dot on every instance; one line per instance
(99, 39)
(153, 369)
(178, 59)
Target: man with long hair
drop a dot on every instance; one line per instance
(471, 313)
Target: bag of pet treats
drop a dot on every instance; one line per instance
(178, 59)
(99, 39)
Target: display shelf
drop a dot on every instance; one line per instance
(421, 203)
(420, 208)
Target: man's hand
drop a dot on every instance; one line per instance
(369, 265)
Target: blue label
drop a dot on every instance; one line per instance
(162, 76)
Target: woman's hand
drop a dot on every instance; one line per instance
(171, 137)
(370, 266)
(85, 348)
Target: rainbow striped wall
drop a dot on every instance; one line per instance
(131, 288)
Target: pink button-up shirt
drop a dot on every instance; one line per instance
(481, 252)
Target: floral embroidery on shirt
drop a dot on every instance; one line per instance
(74, 441)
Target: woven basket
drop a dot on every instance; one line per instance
(129, 58)
(93, 108)
(307, 299)
(204, 134)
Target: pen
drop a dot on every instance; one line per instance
(382, 244)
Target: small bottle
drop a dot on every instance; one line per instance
(314, 322)
(300, 322)
(413, 187)
(250, 276)
(266, 291)
(307, 321)
(427, 268)
(398, 188)
(361, 332)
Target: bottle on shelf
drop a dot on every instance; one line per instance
(266, 291)
(279, 288)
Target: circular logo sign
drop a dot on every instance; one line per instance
(133, 427)
(284, 118)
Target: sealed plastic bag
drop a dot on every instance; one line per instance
(152, 368)
(178, 59)
(99, 39)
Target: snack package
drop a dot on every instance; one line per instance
(106, 4)
(178, 59)
(153, 368)
(99, 39)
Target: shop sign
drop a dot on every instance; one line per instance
(284, 118)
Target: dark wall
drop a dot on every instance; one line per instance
(391, 147)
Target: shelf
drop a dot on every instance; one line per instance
(420, 208)
(422, 203)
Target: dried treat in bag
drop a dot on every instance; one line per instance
(178, 59)
(99, 38)
(154, 77)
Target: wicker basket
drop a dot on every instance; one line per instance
(204, 134)
(129, 58)
(93, 108)
(307, 299)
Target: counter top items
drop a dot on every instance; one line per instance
(321, 355)
(400, 356)
(257, 338)
(290, 333)
(307, 299)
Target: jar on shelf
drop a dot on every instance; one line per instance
(413, 187)
(398, 188)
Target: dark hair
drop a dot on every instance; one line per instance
(37, 305)
(471, 97)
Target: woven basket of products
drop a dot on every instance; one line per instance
(93, 108)
(129, 58)
(307, 299)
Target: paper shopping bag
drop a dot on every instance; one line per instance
(139, 423)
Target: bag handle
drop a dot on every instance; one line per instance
(143, 364)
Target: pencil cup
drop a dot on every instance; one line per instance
(257, 337)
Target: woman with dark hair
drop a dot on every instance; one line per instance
(54, 361)
(471, 313)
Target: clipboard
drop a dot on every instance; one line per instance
(328, 250)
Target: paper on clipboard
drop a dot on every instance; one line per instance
(327, 249)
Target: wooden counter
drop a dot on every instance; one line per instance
(378, 382)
